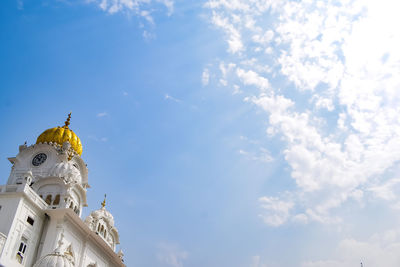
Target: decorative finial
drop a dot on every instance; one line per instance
(103, 204)
(60, 243)
(67, 121)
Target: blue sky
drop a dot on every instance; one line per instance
(225, 133)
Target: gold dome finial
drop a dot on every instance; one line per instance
(103, 204)
(67, 122)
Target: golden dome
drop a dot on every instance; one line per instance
(59, 135)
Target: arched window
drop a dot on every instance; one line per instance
(56, 200)
(22, 250)
(48, 199)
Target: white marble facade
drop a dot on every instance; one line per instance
(40, 209)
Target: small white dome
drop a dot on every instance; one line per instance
(67, 171)
(101, 221)
(105, 214)
(58, 258)
(54, 259)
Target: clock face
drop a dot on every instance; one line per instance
(39, 159)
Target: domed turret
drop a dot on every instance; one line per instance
(103, 214)
(101, 221)
(59, 135)
(60, 257)
(67, 171)
(54, 260)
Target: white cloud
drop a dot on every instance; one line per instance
(169, 4)
(148, 36)
(256, 262)
(341, 135)
(263, 38)
(102, 114)
(275, 211)
(205, 77)
(140, 8)
(146, 14)
(236, 89)
(234, 37)
(171, 255)
(226, 68)
(262, 155)
(385, 190)
(379, 250)
(252, 78)
(169, 97)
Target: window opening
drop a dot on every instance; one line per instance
(56, 200)
(48, 199)
(21, 250)
(30, 220)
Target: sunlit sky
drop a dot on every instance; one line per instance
(258, 133)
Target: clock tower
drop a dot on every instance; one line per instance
(41, 207)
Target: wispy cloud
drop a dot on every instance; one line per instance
(171, 255)
(256, 262)
(275, 211)
(205, 77)
(169, 4)
(236, 90)
(233, 34)
(102, 114)
(148, 36)
(262, 155)
(342, 135)
(380, 249)
(140, 8)
(169, 97)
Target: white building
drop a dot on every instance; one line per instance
(41, 205)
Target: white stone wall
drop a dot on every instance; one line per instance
(16, 207)
(23, 162)
(85, 249)
(9, 205)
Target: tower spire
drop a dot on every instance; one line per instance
(103, 204)
(67, 122)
